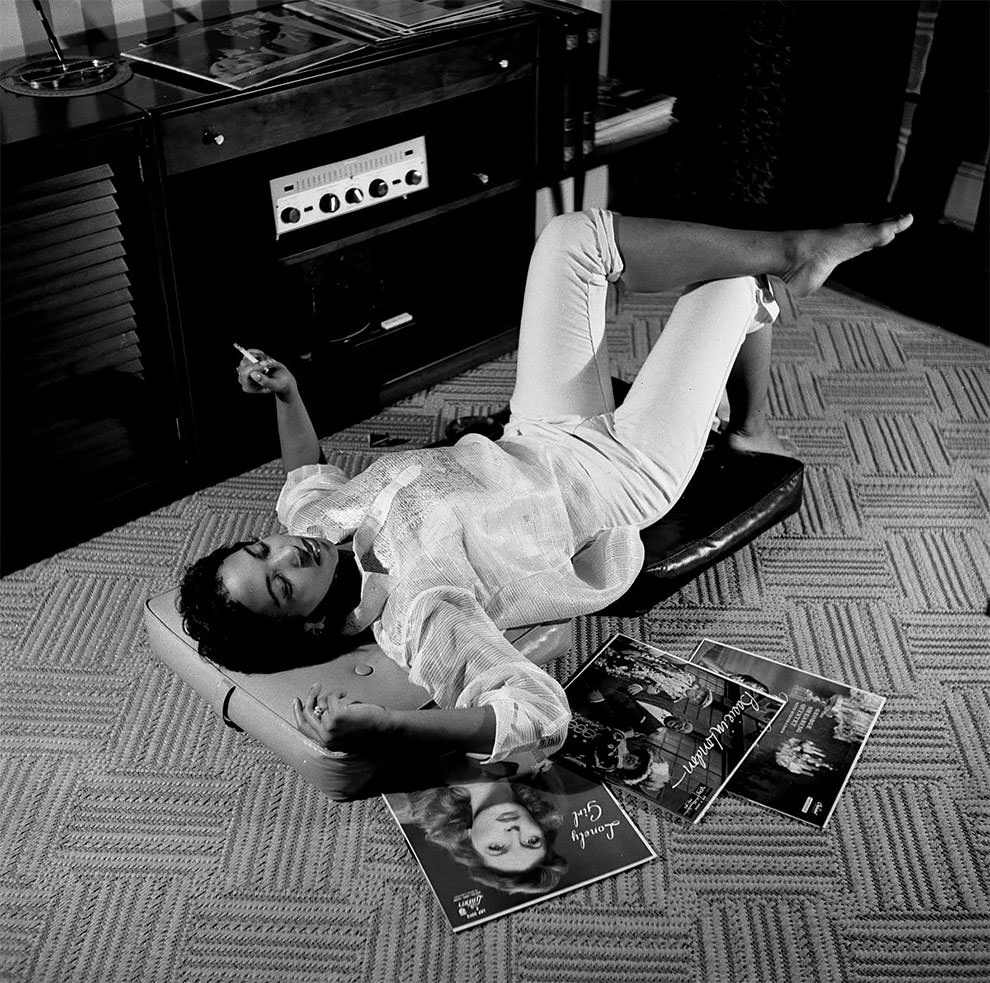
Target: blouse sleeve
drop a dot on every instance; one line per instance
(307, 505)
(456, 652)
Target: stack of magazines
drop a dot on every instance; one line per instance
(626, 111)
(675, 733)
(384, 20)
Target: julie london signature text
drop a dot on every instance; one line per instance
(700, 757)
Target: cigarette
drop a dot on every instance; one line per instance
(246, 354)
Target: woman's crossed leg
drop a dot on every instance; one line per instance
(716, 336)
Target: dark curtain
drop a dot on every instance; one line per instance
(727, 63)
(789, 112)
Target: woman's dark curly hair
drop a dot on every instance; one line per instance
(444, 815)
(238, 639)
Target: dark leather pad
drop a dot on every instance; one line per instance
(732, 498)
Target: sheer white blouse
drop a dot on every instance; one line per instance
(456, 544)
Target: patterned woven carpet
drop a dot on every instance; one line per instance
(141, 840)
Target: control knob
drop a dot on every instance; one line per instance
(378, 188)
(414, 177)
(290, 215)
(354, 195)
(329, 203)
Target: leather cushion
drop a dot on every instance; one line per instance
(732, 498)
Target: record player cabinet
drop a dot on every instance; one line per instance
(439, 258)
(129, 385)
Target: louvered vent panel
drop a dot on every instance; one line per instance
(70, 339)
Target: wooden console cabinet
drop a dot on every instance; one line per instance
(449, 259)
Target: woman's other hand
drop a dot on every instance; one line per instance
(337, 724)
(267, 375)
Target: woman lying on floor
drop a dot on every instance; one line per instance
(437, 551)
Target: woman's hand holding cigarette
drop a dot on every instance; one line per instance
(257, 373)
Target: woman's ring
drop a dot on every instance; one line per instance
(319, 711)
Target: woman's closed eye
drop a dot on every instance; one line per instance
(530, 843)
(261, 551)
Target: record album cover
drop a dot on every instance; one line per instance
(248, 50)
(805, 759)
(668, 731)
(490, 842)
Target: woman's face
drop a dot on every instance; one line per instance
(507, 837)
(280, 576)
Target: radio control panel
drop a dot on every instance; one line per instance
(319, 194)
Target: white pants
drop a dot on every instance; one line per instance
(644, 453)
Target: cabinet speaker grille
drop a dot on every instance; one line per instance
(67, 305)
(70, 340)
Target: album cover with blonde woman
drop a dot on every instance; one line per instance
(492, 840)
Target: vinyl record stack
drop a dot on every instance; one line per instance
(387, 20)
(627, 112)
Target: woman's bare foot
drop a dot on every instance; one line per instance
(762, 441)
(813, 255)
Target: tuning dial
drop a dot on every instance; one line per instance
(329, 203)
(354, 195)
(290, 215)
(414, 177)
(378, 188)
